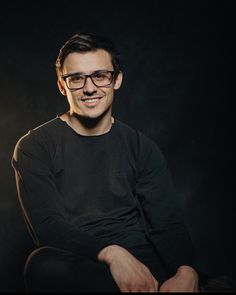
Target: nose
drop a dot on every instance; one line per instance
(89, 86)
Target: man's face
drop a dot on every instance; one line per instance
(90, 101)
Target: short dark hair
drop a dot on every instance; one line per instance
(84, 42)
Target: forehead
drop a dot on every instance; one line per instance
(87, 61)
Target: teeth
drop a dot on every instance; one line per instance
(90, 100)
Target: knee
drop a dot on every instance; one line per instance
(39, 261)
(44, 268)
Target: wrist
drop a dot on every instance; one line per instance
(106, 254)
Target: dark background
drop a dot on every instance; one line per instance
(176, 58)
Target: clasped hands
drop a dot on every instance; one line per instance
(131, 275)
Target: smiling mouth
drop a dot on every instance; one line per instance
(90, 99)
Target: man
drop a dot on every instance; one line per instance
(96, 194)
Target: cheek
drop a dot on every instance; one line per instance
(109, 94)
(74, 96)
(72, 99)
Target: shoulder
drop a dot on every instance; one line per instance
(143, 144)
(49, 128)
(125, 128)
(135, 134)
(44, 136)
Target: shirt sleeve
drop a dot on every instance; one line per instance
(40, 201)
(158, 200)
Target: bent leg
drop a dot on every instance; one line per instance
(50, 269)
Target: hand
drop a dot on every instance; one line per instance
(185, 280)
(128, 272)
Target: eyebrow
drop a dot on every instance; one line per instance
(83, 73)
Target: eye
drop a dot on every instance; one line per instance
(99, 75)
(76, 78)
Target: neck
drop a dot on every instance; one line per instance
(89, 126)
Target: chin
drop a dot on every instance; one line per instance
(93, 116)
(98, 114)
(93, 113)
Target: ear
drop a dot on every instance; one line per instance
(61, 86)
(118, 81)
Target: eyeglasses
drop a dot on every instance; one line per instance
(99, 78)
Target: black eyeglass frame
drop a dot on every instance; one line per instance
(89, 76)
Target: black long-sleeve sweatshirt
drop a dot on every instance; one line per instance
(82, 193)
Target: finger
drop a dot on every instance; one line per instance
(153, 288)
(163, 290)
(156, 284)
(145, 290)
(124, 289)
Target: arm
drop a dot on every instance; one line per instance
(157, 196)
(41, 201)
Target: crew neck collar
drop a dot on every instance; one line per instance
(86, 136)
